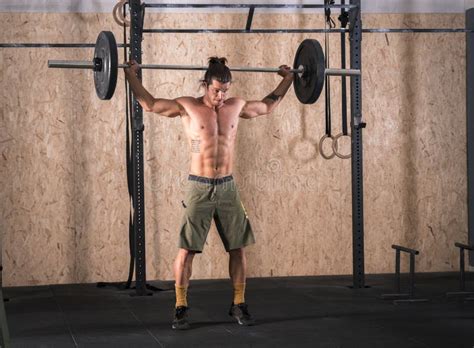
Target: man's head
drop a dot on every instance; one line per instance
(217, 80)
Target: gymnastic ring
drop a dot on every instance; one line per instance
(321, 147)
(118, 14)
(335, 146)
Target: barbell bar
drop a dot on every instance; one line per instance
(84, 64)
(308, 68)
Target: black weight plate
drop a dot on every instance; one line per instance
(105, 79)
(309, 85)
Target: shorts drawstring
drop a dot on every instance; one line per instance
(212, 196)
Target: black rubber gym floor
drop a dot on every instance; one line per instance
(291, 312)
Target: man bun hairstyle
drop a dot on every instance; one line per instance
(217, 70)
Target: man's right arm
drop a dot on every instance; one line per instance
(264, 107)
(165, 107)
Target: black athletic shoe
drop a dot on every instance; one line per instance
(180, 321)
(241, 314)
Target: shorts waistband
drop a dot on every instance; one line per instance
(212, 181)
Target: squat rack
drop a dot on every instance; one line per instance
(355, 30)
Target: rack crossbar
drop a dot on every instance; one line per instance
(249, 5)
(316, 30)
(51, 45)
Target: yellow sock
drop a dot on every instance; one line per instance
(239, 293)
(181, 294)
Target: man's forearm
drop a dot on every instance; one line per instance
(141, 94)
(274, 98)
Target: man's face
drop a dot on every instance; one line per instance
(216, 92)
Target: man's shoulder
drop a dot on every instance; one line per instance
(186, 100)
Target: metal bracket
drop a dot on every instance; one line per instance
(250, 18)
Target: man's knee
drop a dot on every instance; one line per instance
(185, 256)
(237, 253)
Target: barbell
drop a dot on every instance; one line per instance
(308, 68)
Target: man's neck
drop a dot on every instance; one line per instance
(208, 103)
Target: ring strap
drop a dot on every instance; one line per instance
(344, 18)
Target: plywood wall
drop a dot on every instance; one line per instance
(64, 212)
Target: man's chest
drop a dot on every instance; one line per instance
(207, 123)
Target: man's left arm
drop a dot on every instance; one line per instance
(270, 102)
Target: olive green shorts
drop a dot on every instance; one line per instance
(207, 199)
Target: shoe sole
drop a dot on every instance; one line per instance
(182, 327)
(240, 322)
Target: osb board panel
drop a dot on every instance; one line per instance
(415, 144)
(65, 212)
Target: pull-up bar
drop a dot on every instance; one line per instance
(292, 31)
(249, 6)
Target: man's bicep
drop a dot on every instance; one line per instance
(253, 109)
(167, 107)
